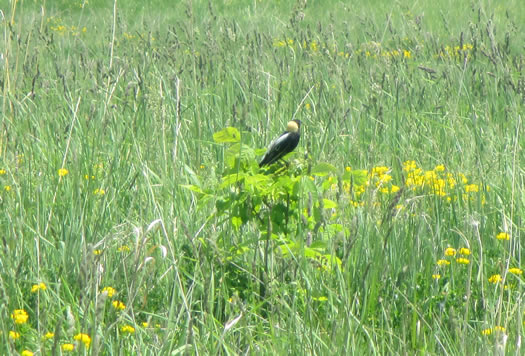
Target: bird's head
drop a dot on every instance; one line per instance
(293, 126)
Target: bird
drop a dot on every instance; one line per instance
(283, 144)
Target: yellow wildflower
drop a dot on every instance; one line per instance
(486, 332)
(99, 191)
(464, 251)
(443, 262)
(515, 270)
(49, 335)
(409, 166)
(26, 353)
(407, 54)
(2, 172)
(37, 287)
(110, 290)
(117, 304)
(474, 188)
(439, 168)
(436, 276)
(394, 188)
(7, 188)
(67, 347)
(127, 329)
(62, 172)
(123, 248)
(19, 316)
(379, 171)
(499, 328)
(84, 338)
(450, 251)
(503, 236)
(13, 335)
(495, 278)
(145, 324)
(463, 261)
(97, 252)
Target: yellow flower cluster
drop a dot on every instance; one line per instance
(516, 271)
(283, 43)
(84, 338)
(455, 52)
(19, 316)
(435, 182)
(495, 278)
(489, 331)
(49, 335)
(380, 178)
(99, 191)
(503, 236)
(62, 172)
(56, 25)
(438, 181)
(371, 49)
(67, 347)
(123, 248)
(13, 335)
(109, 290)
(118, 305)
(376, 50)
(452, 252)
(127, 329)
(38, 287)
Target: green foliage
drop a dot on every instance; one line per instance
(128, 159)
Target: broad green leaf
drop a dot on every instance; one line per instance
(334, 228)
(232, 179)
(193, 188)
(239, 152)
(323, 169)
(329, 204)
(311, 252)
(229, 134)
(288, 249)
(357, 177)
(236, 222)
(222, 204)
(318, 245)
(308, 185)
(257, 181)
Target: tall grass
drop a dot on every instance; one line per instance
(126, 97)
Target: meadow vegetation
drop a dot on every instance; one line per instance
(135, 220)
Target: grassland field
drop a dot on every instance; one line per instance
(134, 219)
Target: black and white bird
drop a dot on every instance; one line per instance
(283, 144)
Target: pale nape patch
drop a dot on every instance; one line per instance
(292, 126)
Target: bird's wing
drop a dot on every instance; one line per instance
(276, 149)
(279, 142)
